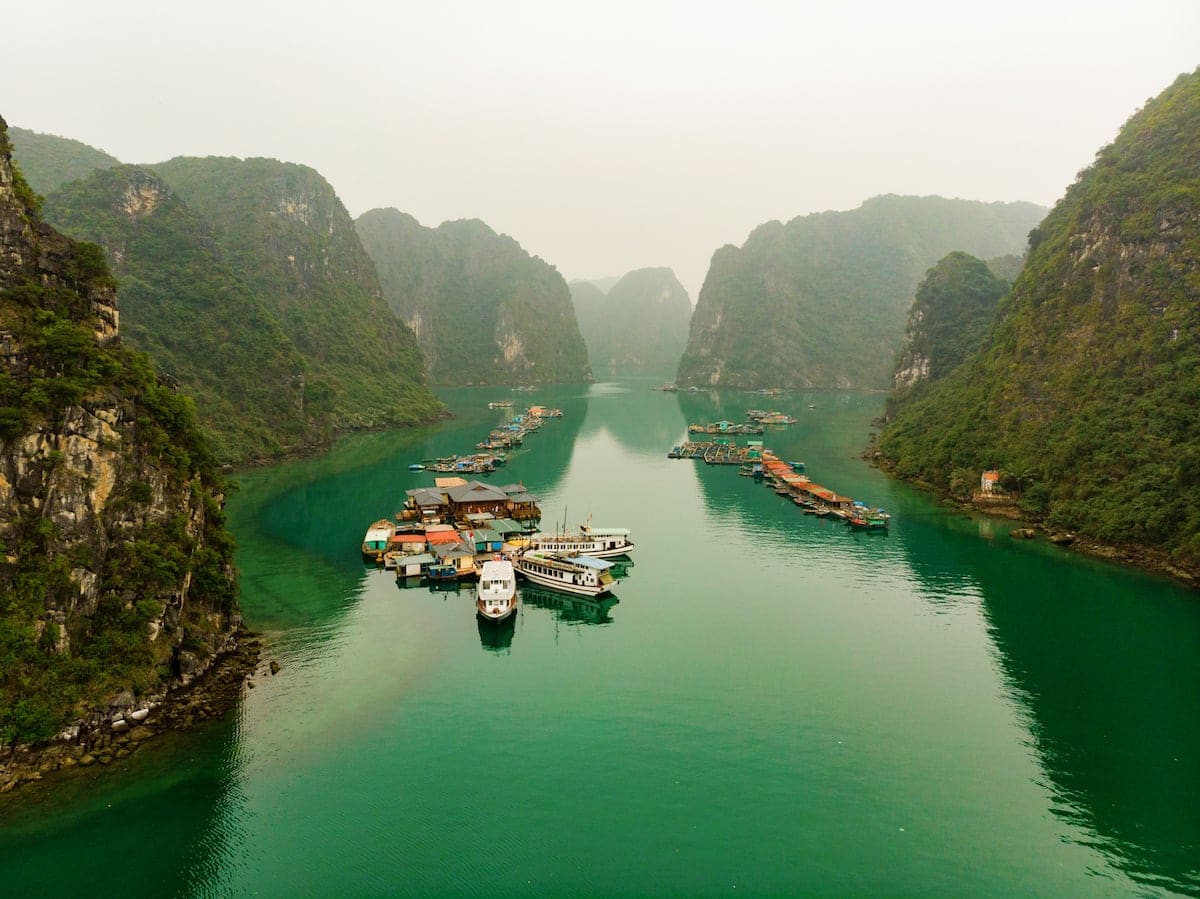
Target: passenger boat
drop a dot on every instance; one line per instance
(599, 543)
(375, 543)
(496, 592)
(571, 574)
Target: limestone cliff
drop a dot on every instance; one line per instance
(638, 327)
(821, 301)
(1083, 392)
(116, 576)
(182, 302)
(950, 315)
(484, 310)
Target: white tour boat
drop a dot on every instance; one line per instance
(496, 592)
(599, 543)
(584, 575)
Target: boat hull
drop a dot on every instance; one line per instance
(583, 548)
(562, 586)
(487, 613)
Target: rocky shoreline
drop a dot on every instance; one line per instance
(107, 736)
(1144, 558)
(1141, 557)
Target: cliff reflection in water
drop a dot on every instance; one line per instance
(641, 420)
(1103, 660)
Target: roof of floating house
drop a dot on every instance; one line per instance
(475, 492)
(447, 483)
(510, 489)
(417, 559)
(524, 498)
(426, 496)
(506, 526)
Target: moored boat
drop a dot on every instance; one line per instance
(867, 522)
(583, 575)
(599, 543)
(496, 592)
(375, 542)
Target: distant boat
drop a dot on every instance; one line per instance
(496, 592)
(576, 574)
(416, 466)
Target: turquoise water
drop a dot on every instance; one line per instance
(773, 704)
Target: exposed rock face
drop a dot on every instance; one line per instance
(115, 558)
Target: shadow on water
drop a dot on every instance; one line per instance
(1104, 664)
(154, 824)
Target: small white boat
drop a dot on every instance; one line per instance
(496, 592)
(599, 543)
(584, 575)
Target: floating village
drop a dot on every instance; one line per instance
(459, 529)
(756, 461)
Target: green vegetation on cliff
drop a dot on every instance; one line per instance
(639, 327)
(48, 161)
(822, 300)
(1084, 393)
(111, 528)
(287, 237)
(181, 303)
(484, 311)
(951, 314)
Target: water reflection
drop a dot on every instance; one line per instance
(567, 606)
(640, 419)
(496, 636)
(1104, 663)
(181, 794)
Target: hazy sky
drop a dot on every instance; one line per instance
(607, 136)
